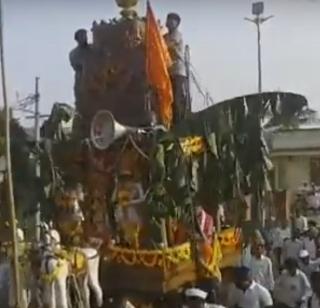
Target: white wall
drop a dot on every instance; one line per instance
(291, 171)
(296, 139)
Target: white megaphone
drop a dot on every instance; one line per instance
(105, 130)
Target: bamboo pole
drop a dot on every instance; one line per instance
(13, 223)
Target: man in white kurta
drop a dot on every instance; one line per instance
(292, 247)
(309, 243)
(280, 234)
(248, 293)
(292, 289)
(307, 265)
(301, 222)
(261, 268)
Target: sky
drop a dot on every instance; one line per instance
(39, 35)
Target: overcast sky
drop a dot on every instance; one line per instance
(39, 36)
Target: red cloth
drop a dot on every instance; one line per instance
(206, 224)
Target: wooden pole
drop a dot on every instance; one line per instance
(13, 223)
(37, 139)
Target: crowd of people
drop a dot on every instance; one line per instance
(279, 267)
(308, 197)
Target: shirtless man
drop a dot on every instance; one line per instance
(78, 57)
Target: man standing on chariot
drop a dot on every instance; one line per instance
(78, 57)
(178, 72)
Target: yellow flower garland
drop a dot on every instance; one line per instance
(192, 145)
(151, 258)
(51, 277)
(173, 256)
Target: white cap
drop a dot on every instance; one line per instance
(304, 254)
(194, 292)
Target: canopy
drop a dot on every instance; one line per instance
(277, 106)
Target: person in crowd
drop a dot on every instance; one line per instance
(292, 289)
(307, 265)
(248, 293)
(261, 267)
(281, 233)
(292, 246)
(317, 241)
(312, 224)
(317, 197)
(227, 285)
(246, 253)
(305, 187)
(314, 301)
(301, 222)
(196, 298)
(313, 200)
(269, 234)
(211, 300)
(249, 246)
(309, 242)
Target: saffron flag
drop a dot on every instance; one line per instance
(158, 61)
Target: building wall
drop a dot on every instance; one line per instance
(296, 139)
(295, 154)
(291, 171)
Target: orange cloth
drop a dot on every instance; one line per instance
(158, 61)
(207, 252)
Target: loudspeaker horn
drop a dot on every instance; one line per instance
(105, 130)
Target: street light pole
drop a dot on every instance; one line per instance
(257, 10)
(259, 59)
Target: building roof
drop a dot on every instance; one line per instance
(304, 138)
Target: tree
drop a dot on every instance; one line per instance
(26, 185)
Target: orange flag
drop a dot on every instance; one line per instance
(158, 61)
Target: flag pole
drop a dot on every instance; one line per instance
(13, 223)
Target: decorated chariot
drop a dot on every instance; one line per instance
(121, 173)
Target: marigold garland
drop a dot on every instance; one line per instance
(192, 145)
(151, 258)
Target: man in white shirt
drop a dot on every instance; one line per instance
(292, 289)
(301, 222)
(313, 201)
(249, 294)
(178, 72)
(292, 247)
(309, 243)
(306, 265)
(261, 268)
(280, 234)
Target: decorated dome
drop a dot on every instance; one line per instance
(128, 8)
(127, 4)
